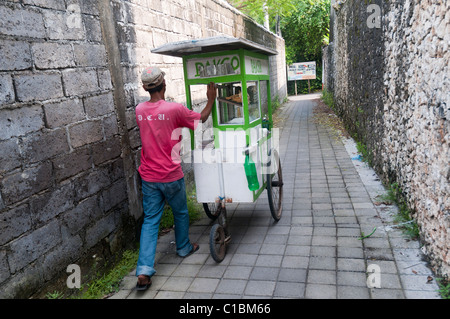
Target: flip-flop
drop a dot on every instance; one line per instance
(143, 287)
(195, 247)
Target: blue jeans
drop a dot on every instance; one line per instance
(154, 197)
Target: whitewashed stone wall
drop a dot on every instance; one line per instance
(417, 117)
(391, 86)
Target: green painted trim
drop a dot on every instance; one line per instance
(244, 95)
(227, 52)
(253, 77)
(269, 104)
(186, 87)
(217, 79)
(188, 101)
(243, 78)
(257, 194)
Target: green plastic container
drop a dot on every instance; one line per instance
(250, 172)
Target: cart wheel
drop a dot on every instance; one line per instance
(217, 243)
(275, 190)
(211, 210)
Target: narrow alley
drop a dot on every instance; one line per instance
(316, 250)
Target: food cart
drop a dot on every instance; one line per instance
(241, 160)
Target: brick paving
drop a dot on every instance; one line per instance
(314, 251)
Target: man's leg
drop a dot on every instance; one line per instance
(175, 193)
(153, 204)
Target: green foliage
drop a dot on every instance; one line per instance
(166, 218)
(404, 217)
(110, 282)
(275, 103)
(305, 30)
(195, 209)
(103, 283)
(54, 295)
(364, 236)
(364, 151)
(328, 98)
(304, 25)
(444, 288)
(255, 9)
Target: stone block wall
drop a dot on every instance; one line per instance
(69, 145)
(62, 190)
(391, 86)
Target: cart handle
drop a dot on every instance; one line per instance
(250, 149)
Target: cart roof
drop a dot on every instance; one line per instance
(212, 44)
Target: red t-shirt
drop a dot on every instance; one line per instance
(160, 126)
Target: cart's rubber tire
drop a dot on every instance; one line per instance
(275, 190)
(211, 210)
(217, 243)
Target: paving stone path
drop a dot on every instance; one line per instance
(315, 250)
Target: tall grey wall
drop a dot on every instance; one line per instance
(62, 187)
(69, 145)
(391, 86)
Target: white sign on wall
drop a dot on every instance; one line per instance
(302, 71)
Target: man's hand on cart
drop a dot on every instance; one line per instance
(211, 94)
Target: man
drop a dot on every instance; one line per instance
(160, 169)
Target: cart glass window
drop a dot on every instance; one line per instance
(230, 103)
(253, 101)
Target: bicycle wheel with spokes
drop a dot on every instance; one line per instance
(217, 243)
(275, 189)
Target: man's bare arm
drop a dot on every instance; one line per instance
(211, 94)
